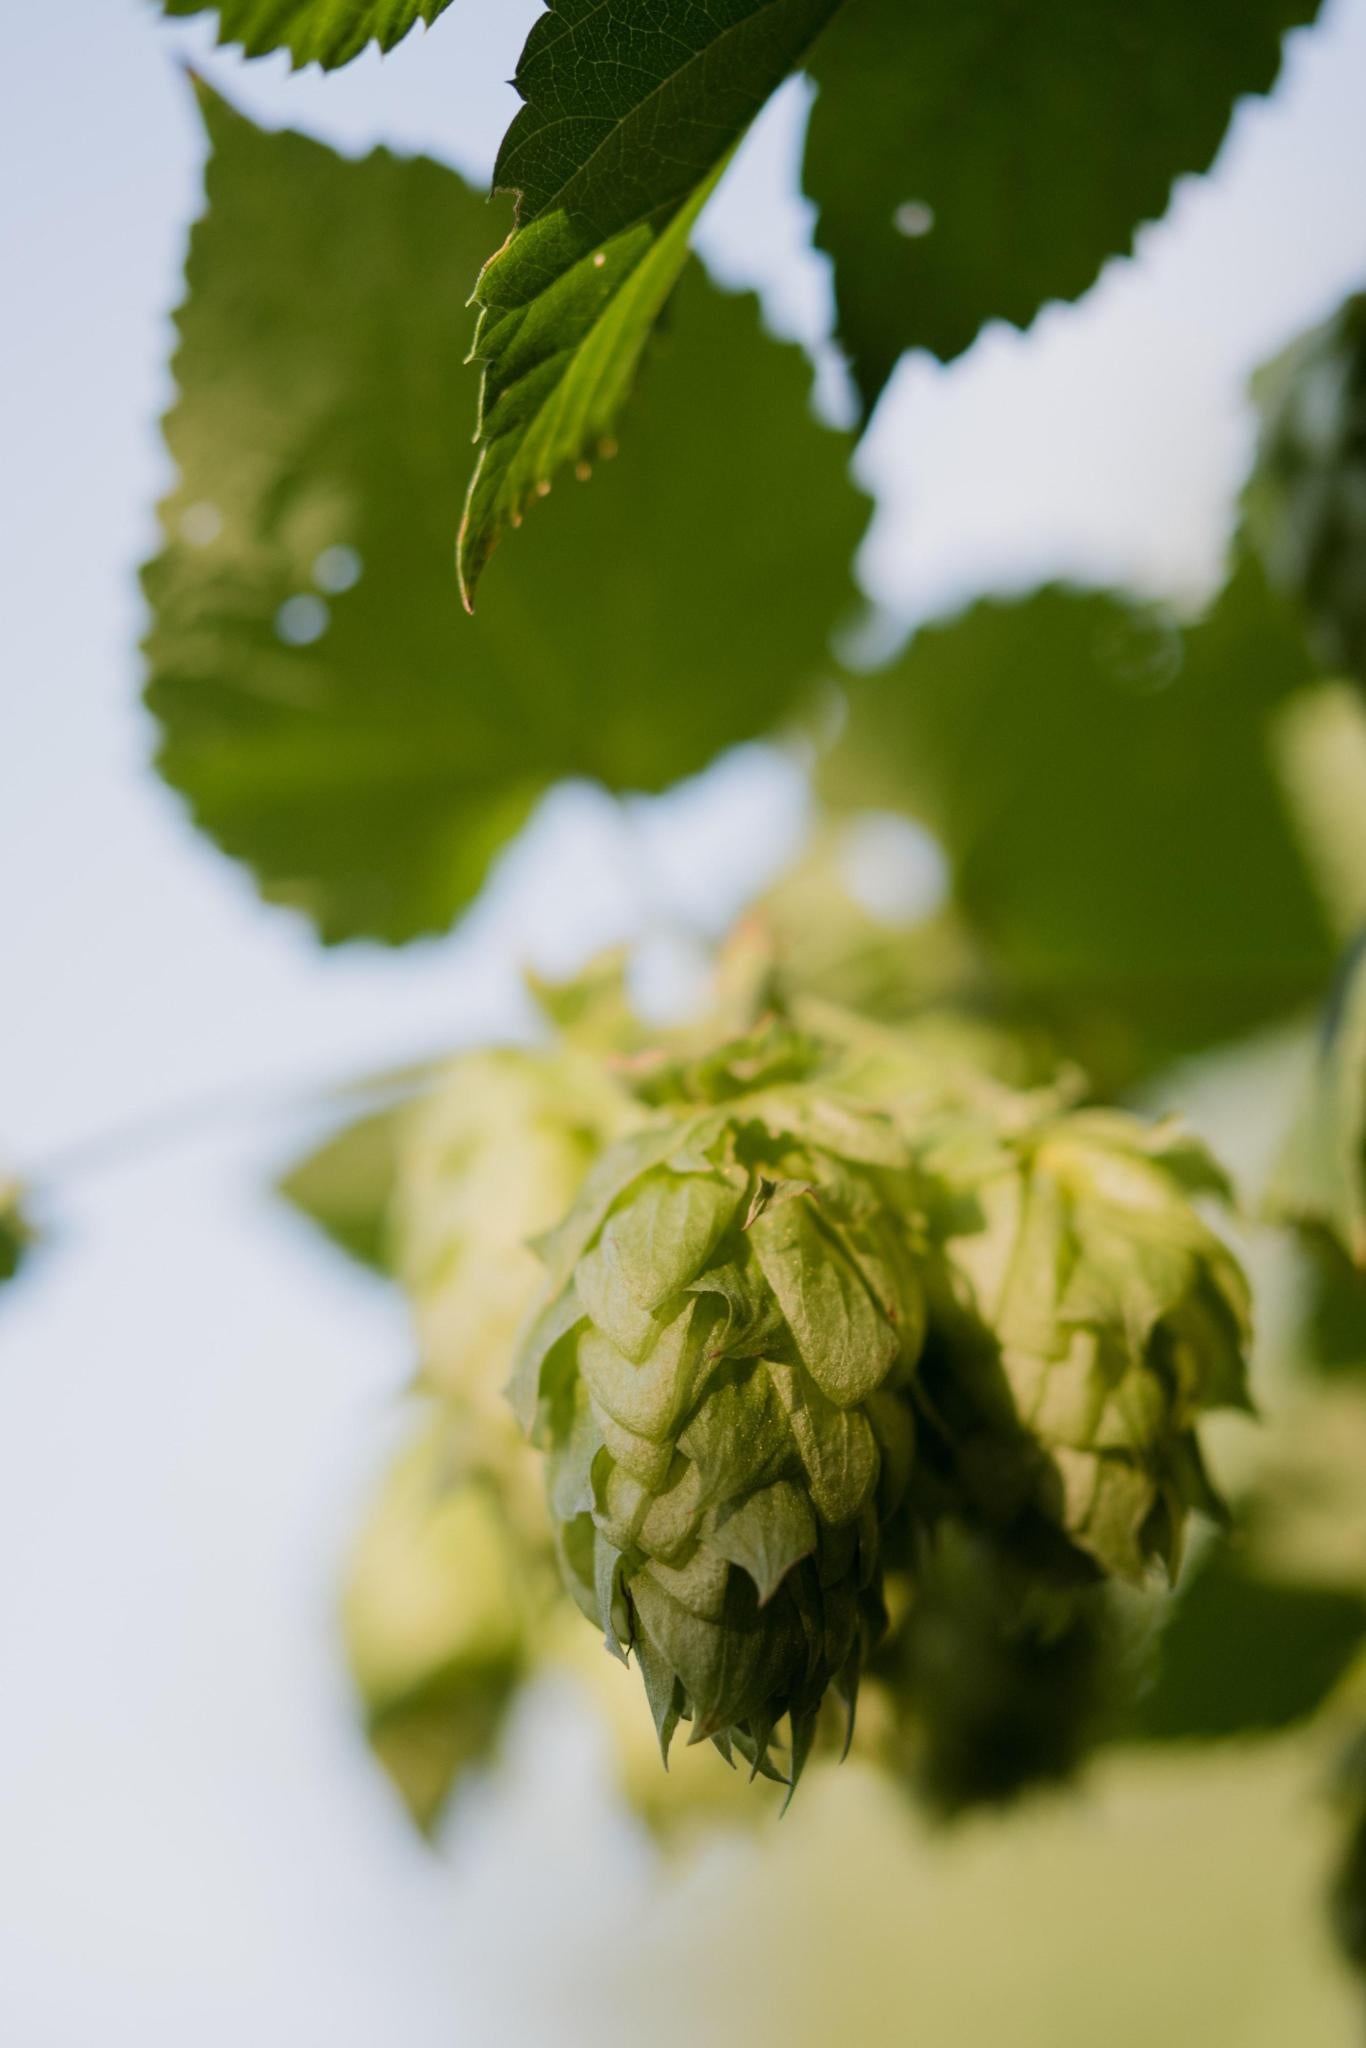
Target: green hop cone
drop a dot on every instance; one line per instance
(1306, 501)
(490, 1158)
(721, 1377)
(1084, 1317)
(436, 1613)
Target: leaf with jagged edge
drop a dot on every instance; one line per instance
(970, 163)
(328, 712)
(1101, 780)
(630, 115)
(326, 32)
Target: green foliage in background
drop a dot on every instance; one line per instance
(1321, 1178)
(1306, 502)
(327, 711)
(1016, 149)
(1102, 781)
(326, 32)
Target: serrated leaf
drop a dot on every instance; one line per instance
(630, 114)
(971, 163)
(326, 32)
(1100, 780)
(327, 711)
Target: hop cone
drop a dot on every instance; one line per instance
(490, 1158)
(1306, 503)
(721, 1376)
(1084, 1316)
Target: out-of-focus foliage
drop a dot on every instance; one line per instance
(1015, 150)
(345, 1186)
(1321, 1180)
(15, 1232)
(1100, 778)
(327, 711)
(1306, 503)
(994, 1681)
(630, 113)
(1179, 1902)
(1347, 1896)
(326, 32)
(1245, 1653)
(438, 1612)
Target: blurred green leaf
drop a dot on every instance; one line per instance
(970, 163)
(326, 32)
(1099, 778)
(1306, 501)
(1320, 1179)
(15, 1233)
(327, 710)
(630, 114)
(1244, 1654)
(346, 1186)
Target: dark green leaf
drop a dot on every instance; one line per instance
(15, 1233)
(1320, 1179)
(1243, 1654)
(1306, 501)
(970, 163)
(366, 748)
(326, 32)
(630, 115)
(1101, 781)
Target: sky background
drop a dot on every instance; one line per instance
(192, 1393)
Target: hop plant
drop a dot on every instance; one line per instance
(822, 1248)
(1084, 1316)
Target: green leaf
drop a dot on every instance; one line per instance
(1305, 503)
(326, 32)
(1243, 1653)
(1100, 780)
(970, 163)
(346, 1186)
(366, 748)
(1320, 1178)
(15, 1232)
(630, 115)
